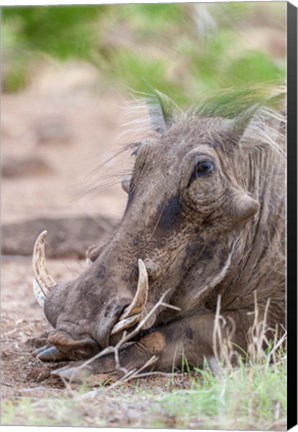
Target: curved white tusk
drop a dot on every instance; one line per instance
(43, 282)
(140, 299)
(125, 324)
(133, 313)
(38, 294)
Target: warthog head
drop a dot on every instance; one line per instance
(189, 196)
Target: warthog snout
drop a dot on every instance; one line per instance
(112, 317)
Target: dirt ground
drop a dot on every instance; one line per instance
(55, 137)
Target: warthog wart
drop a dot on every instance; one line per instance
(205, 216)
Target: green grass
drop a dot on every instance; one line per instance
(247, 397)
(43, 412)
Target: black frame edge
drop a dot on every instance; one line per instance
(292, 216)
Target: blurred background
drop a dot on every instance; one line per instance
(181, 49)
(67, 72)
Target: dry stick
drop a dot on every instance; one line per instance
(134, 332)
(159, 373)
(107, 350)
(116, 355)
(134, 373)
(68, 387)
(126, 337)
(216, 333)
(276, 345)
(253, 329)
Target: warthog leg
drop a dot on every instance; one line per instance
(190, 339)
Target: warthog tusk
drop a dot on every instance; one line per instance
(38, 294)
(133, 312)
(140, 298)
(43, 283)
(125, 323)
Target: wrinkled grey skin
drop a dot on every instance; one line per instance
(199, 235)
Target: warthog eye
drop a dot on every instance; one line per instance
(202, 168)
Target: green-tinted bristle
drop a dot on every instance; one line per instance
(231, 102)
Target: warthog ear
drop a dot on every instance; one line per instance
(162, 110)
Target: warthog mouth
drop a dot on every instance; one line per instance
(44, 284)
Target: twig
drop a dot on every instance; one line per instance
(154, 373)
(126, 337)
(275, 347)
(217, 330)
(6, 384)
(134, 373)
(68, 386)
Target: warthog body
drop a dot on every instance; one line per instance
(205, 214)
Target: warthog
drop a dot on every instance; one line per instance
(205, 219)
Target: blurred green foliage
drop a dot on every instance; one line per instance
(181, 49)
(62, 32)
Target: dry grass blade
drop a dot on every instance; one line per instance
(277, 344)
(257, 334)
(225, 353)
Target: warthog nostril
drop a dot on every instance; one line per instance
(108, 318)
